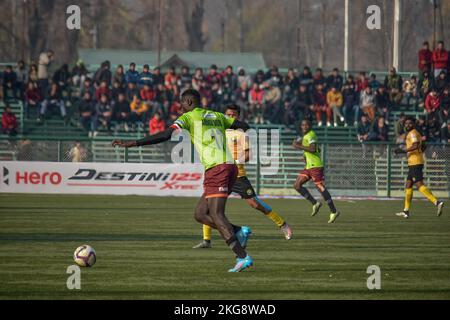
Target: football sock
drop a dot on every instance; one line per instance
(427, 193)
(279, 221)
(408, 199)
(305, 193)
(206, 233)
(327, 197)
(234, 245)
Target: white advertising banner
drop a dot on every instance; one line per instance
(102, 178)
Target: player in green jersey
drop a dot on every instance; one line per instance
(313, 170)
(207, 132)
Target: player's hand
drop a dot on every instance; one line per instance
(123, 144)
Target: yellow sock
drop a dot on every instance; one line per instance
(408, 198)
(206, 232)
(427, 193)
(279, 221)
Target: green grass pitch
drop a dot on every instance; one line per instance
(144, 250)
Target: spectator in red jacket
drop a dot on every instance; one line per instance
(256, 100)
(103, 89)
(32, 99)
(425, 58)
(432, 102)
(156, 124)
(440, 59)
(9, 122)
(321, 106)
(361, 82)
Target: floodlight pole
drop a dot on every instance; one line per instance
(397, 22)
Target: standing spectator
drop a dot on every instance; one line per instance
(272, 99)
(22, 78)
(32, 99)
(432, 103)
(400, 132)
(104, 112)
(425, 59)
(9, 122)
(45, 60)
(103, 74)
(243, 77)
(256, 100)
(103, 89)
(367, 103)
(132, 76)
(146, 77)
(122, 111)
(440, 59)
(33, 73)
(9, 82)
(53, 99)
(88, 115)
(197, 79)
(79, 73)
(394, 84)
(320, 105)
(335, 80)
(335, 100)
(156, 124)
(351, 102)
(119, 76)
(382, 103)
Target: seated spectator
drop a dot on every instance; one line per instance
(425, 59)
(213, 76)
(132, 76)
(156, 124)
(367, 103)
(373, 82)
(379, 131)
(259, 77)
(291, 84)
(22, 79)
(206, 92)
(131, 91)
(422, 127)
(410, 90)
(351, 102)
(79, 74)
(9, 82)
(148, 95)
(119, 76)
(158, 78)
(361, 82)
(434, 130)
(394, 84)
(53, 99)
(335, 80)
(33, 73)
(321, 107)
(319, 78)
(306, 78)
(103, 89)
(241, 99)
(185, 79)
(104, 112)
(289, 113)
(444, 112)
(272, 98)
(162, 101)
(229, 79)
(382, 103)
(243, 77)
(216, 97)
(335, 100)
(440, 59)
(9, 122)
(32, 99)
(146, 77)
(88, 87)
(88, 115)
(116, 90)
(274, 76)
(62, 77)
(400, 132)
(256, 103)
(432, 103)
(363, 129)
(122, 111)
(441, 82)
(138, 110)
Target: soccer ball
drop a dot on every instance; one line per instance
(85, 256)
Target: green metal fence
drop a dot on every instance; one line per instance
(351, 169)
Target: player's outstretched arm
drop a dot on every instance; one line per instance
(153, 139)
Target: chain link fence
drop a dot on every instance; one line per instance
(351, 169)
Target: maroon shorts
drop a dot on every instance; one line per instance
(219, 181)
(314, 174)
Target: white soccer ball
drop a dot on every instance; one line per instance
(85, 256)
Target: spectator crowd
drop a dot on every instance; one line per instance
(128, 97)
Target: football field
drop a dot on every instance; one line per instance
(144, 250)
